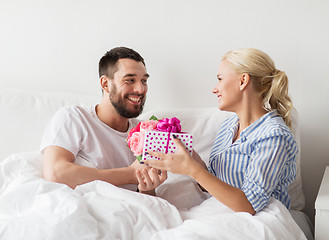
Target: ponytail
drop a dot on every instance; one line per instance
(277, 96)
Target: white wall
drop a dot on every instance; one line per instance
(56, 45)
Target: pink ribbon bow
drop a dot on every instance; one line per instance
(171, 125)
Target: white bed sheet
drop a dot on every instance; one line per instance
(32, 208)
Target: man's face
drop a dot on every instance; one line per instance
(128, 88)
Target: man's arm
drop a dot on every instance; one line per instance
(59, 167)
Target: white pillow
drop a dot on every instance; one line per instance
(295, 190)
(25, 114)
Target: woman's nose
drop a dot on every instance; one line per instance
(215, 90)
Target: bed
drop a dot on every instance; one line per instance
(33, 208)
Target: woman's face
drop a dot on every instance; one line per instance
(228, 87)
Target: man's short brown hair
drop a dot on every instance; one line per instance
(107, 64)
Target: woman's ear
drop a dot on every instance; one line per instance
(244, 80)
(105, 83)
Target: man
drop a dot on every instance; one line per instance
(96, 136)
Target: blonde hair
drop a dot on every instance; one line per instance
(269, 82)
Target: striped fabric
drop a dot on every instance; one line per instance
(261, 162)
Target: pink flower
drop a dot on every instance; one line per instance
(148, 125)
(169, 125)
(136, 143)
(136, 135)
(132, 131)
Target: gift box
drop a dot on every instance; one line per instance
(157, 141)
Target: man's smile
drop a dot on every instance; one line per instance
(135, 99)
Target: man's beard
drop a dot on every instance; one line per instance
(121, 106)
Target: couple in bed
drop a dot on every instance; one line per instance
(253, 157)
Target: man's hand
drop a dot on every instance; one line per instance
(136, 165)
(149, 179)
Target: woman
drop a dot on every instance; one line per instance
(254, 154)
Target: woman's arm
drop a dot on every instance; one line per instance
(230, 196)
(182, 163)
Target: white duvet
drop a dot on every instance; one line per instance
(32, 208)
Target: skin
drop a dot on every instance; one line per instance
(130, 84)
(235, 93)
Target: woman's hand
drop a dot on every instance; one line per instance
(149, 179)
(181, 162)
(133, 168)
(197, 158)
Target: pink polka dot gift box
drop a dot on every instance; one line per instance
(156, 141)
(157, 136)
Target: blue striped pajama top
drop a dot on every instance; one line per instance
(261, 162)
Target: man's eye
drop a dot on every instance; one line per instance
(130, 80)
(144, 81)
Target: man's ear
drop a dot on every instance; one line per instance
(244, 80)
(105, 83)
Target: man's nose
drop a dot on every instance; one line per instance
(139, 87)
